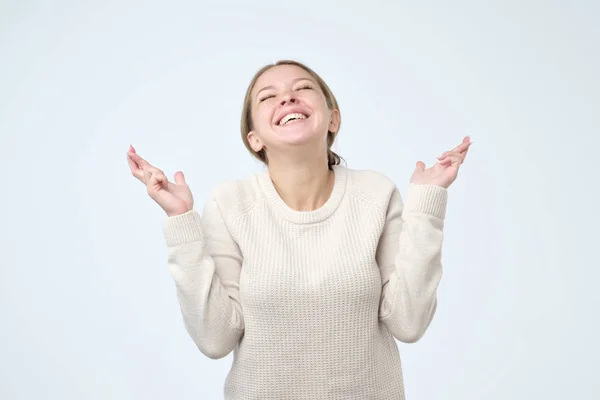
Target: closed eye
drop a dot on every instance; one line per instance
(266, 97)
(304, 86)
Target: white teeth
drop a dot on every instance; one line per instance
(290, 117)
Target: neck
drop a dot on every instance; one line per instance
(303, 185)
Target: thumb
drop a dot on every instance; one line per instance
(180, 178)
(420, 167)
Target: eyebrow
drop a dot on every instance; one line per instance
(294, 81)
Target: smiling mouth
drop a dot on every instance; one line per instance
(292, 118)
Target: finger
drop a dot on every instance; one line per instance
(156, 179)
(180, 178)
(152, 181)
(139, 160)
(464, 154)
(147, 175)
(132, 164)
(140, 167)
(453, 159)
(462, 149)
(420, 166)
(135, 169)
(464, 146)
(150, 170)
(451, 153)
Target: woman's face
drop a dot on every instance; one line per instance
(289, 108)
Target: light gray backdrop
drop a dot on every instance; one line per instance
(88, 310)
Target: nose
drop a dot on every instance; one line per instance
(287, 97)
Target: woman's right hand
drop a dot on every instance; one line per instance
(174, 198)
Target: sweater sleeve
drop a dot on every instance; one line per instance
(205, 263)
(409, 258)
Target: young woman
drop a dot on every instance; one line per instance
(309, 270)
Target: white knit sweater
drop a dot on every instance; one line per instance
(309, 301)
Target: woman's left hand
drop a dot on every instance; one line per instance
(444, 172)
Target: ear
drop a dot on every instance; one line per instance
(334, 123)
(255, 143)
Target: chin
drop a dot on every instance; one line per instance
(298, 138)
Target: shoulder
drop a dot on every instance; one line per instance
(372, 187)
(235, 197)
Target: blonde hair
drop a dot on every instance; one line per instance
(246, 122)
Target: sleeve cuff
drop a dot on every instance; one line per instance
(428, 199)
(182, 228)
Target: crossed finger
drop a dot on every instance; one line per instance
(154, 177)
(140, 168)
(457, 154)
(452, 158)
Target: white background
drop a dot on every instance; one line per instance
(88, 310)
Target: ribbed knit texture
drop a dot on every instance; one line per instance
(309, 301)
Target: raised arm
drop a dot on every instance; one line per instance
(205, 263)
(410, 249)
(203, 259)
(409, 258)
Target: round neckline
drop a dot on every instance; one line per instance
(306, 217)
